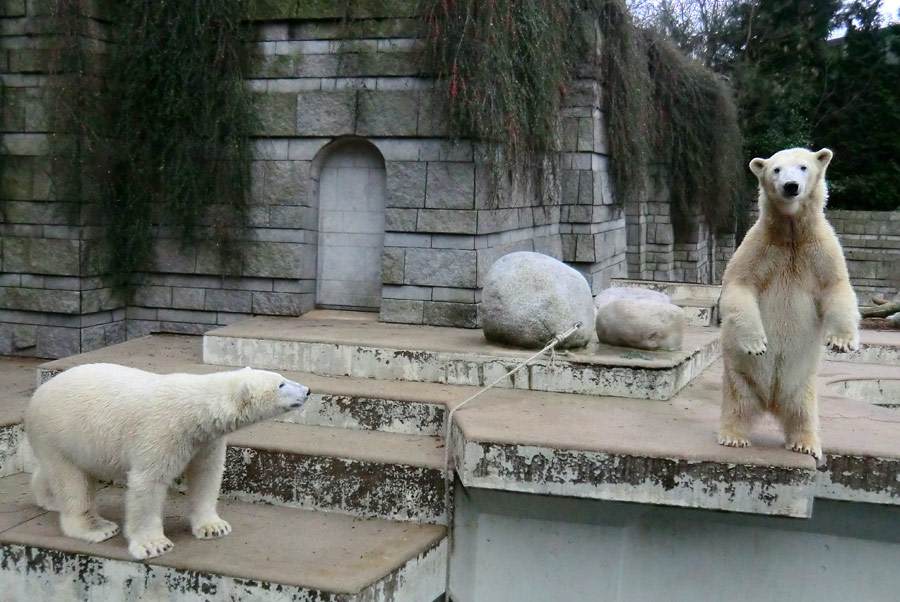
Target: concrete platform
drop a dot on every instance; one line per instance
(875, 347)
(273, 553)
(318, 342)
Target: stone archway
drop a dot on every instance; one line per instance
(351, 192)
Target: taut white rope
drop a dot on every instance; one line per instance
(448, 428)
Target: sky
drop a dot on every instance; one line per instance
(889, 9)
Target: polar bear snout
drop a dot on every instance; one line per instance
(791, 189)
(292, 394)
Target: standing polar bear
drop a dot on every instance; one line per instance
(785, 292)
(110, 422)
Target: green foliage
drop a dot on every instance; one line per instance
(859, 117)
(162, 137)
(697, 137)
(507, 65)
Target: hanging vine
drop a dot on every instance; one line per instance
(154, 125)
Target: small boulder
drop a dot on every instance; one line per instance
(639, 318)
(529, 297)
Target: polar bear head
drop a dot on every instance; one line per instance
(792, 180)
(263, 394)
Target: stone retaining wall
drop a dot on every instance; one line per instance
(871, 241)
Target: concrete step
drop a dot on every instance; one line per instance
(368, 404)
(699, 312)
(362, 473)
(456, 356)
(273, 553)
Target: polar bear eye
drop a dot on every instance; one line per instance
(777, 170)
(281, 385)
(803, 168)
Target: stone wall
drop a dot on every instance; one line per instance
(53, 298)
(871, 241)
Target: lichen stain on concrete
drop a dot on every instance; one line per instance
(382, 414)
(865, 474)
(729, 484)
(360, 488)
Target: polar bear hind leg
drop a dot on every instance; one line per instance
(60, 484)
(798, 412)
(740, 410)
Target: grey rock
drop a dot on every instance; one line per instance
(639, 318)
(528, 298)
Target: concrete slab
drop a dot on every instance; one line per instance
(273, 551)
(675, 290)
(453, 356)
(666, 453)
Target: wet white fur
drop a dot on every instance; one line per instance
(110, 422)
(785, 293)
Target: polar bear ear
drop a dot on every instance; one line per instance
(757, 166)
(824, 157)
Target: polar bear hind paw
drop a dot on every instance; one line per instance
(733, 440)
(150, 547)
(211, 529)
(806, 444)
(753, 345)
(842, 342)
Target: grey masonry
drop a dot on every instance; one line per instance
(361, 198)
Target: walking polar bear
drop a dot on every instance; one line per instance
(785, 291)
(110, 422)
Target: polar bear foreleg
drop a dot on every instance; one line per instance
(144, 501)
(841, 317)
(740, 409)
(204, 479)
(60, 484)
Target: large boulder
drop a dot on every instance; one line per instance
(529, 297)
(639, 318)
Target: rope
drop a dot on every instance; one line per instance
(448, 426)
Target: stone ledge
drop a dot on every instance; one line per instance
(320, 556)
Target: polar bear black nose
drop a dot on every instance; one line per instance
(791, 189)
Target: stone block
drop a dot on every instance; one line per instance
(24, 336)
(12, 8)
(40, 212)
(152, 296)
(229, 301)
(459, 315)
(405, 184)
(293, 216)
(285, 182)
(186, 316)
(434, 117)
(421, 293)
(276, 114)
(497, 220)
(402, 311)
(392, 265)
(275, 260)
(453, 295)
(448, 221)
(450, 186)
(188, 298)
(387, 112)
(171, 255)
(278, 304)
(326, 113)
(14, 108)
(58, 257)
(400, 220)
(440, 267)
(99, 299)
(17, 179)
(55, 341)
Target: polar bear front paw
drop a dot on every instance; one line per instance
(842, 342)
(753, 344)
(150, 547)
(211, 529)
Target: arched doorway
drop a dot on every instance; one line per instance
(351, 192)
